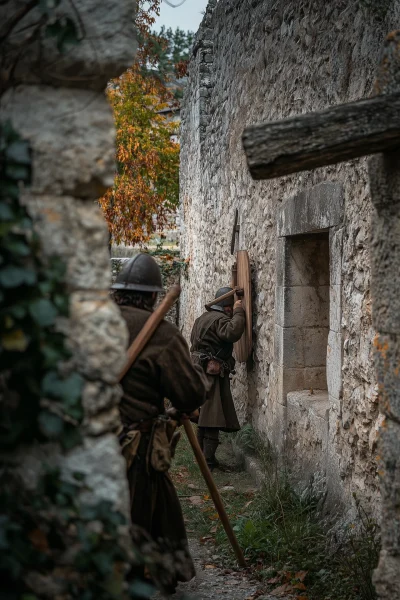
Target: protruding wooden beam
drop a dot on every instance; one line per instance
(323, 138)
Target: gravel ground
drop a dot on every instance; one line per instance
(217, 583)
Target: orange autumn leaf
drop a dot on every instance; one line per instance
(146, 184)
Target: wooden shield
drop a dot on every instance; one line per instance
(244, 346)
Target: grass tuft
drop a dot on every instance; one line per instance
(280, 531)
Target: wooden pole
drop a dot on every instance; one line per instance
(133, 352)
(224, 297)
(323, 138)
(215, 495)
(149, 328)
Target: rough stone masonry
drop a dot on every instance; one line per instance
(310, 387)
(56, 101)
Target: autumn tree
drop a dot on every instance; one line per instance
(146, 187)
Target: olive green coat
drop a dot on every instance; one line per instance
(163, 369)
(214, 334)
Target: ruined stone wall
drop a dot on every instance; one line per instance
(57, 59)
(266, 60)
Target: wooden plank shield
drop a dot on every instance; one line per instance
(244, 346)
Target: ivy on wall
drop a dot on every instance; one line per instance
(39, 402)
(50, 542)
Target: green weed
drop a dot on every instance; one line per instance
(281, 532)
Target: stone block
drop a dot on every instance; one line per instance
(72, 137)
(335, 308)
(307, 434)
(307, 260)
(334, 364)
(98, 396)
(106, 43)
(98, 336)
(99, 459)
(335, 255)
(336, 491)
(387, 367)
(305, 306)
(281, 248)
(315, 378)
(289, 380)
(291, 354)
(278, 417)
(74, 230)
(280, 293)
(314, 346)
(312, 210)
(104, 422)
(278, 345)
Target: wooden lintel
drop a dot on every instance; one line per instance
(323, 138)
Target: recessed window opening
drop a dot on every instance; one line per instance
(306, 307)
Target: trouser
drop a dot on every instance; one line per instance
(208, 438)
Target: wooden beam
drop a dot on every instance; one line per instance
(323, 138)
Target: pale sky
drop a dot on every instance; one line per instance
(187, 17)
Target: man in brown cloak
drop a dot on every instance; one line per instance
(212, 339)
(163, 370)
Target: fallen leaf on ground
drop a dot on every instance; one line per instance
(214, 529)
(282, 589)
(206, 538)
(210, 567)
(299, 586)
(274, 580)
(192, 486)
(228, 488)
(300, 575)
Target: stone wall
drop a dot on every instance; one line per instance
(53, 96)
(263, 61)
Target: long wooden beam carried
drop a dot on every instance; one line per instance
(323, 138)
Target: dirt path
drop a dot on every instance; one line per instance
(217, 575)
(216, 583)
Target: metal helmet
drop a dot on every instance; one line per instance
(141, 274)
(227, 302)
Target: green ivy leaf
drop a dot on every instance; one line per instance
(71, 438)
(12, 276)
(43, 312)
(19, 152)
(52, 355)
(18, 172)
(17, 247)
(68, 389)
(18, 311)
(103, 562)
(51, 425)
(6, 214)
